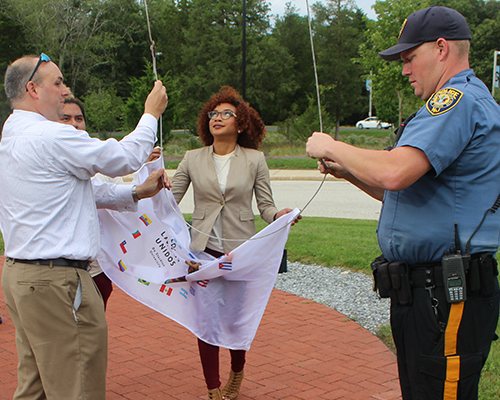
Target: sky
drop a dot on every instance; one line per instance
(278, 6)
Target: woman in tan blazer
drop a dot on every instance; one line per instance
(225, 174)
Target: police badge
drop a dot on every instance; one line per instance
(443, 100)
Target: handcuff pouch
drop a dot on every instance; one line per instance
(482, 274)
(392, 279)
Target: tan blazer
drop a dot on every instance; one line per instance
(248, 174)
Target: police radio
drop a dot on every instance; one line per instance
(454, 266)
(454, 277)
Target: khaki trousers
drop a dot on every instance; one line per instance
(62, 351)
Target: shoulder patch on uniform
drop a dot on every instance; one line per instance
(443, 100)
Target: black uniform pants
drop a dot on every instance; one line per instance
(419, 336)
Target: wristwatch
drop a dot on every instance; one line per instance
(134, 193)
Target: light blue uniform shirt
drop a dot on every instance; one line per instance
(462, 143)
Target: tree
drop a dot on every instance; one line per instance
(120, 47)
(483, 18)
(12, 47)
(271, 81)
(303, 125)
(210, 53)
(94, 42)
(208, 50)
(104, 112)
(292, 32)
(393, 97)
(134, 106)
(339, 30)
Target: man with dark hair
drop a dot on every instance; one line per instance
(437, 230)
(74, 113)
(51, 232)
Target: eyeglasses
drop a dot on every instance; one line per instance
(225, 114)
(43, 58)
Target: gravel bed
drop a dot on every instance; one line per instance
(350, 293)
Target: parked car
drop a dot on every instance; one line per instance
(372, 122)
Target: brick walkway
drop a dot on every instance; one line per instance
(302, 350)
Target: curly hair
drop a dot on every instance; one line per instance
(248, 121)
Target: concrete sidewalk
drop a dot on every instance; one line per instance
(288, 175)
(302, 350)
(277, 175)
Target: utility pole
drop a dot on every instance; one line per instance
(244, 50)
(370, 89)
(496, 73)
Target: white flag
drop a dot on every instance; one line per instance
(146, 252)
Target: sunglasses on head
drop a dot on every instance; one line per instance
(43, 58)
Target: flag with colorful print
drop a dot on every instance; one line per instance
(121, 266)
(223, 300)
(144, 218)
(227, 266)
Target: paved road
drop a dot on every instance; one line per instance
(336, 199)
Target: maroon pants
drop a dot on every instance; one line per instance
(105, 286)
(209, 356)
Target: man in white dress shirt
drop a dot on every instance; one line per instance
(50, 228)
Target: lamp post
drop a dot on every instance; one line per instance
(496, 73)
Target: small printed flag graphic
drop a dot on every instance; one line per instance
(184, 293)
(136, 234)
(122, 266)
(177, 243)
(169, 290)
(143, 282)
(144, 218)
(122, 246)
(226, 266)
(203, 283)
(192, 291)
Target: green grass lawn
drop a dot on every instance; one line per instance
(272, 163)
(282, 153)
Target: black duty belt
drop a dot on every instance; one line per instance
(56, 262)
(427, 277)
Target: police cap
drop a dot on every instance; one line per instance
(428, 25)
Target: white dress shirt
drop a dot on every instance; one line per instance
(47, 205)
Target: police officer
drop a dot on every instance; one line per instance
(437, 230)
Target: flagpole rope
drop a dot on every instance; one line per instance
(315, 67)
(243, 240)
(153, 56)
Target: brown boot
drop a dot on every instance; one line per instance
(214, 394)
(233, 385)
